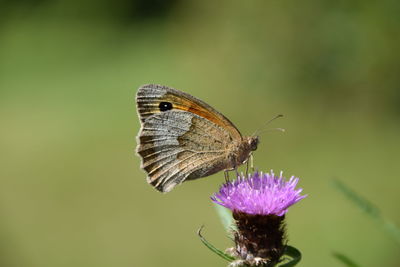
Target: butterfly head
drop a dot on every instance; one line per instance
(240, 152)
(250, 143)
(253, 142)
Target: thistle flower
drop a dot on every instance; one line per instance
(262, 194)
(259, 204)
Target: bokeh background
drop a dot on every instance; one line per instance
(71, 191)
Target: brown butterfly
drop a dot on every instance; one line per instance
(182, 138)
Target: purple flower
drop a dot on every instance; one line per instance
(259, 194)
(259, 204)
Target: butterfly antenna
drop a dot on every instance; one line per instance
(268, 122)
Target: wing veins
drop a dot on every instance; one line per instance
(186, 173)
(198, 128)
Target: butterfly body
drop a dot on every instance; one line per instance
(182, 138)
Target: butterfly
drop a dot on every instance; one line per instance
(182, 138)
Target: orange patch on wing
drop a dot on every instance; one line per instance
(187, 105)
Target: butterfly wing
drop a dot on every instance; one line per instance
(150, 96)
(182, 141)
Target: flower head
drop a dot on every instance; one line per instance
(259, 194)
(259, 204)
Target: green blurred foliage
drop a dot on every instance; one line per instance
(71, 191)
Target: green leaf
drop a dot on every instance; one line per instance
(361, 202)
(370, 209)
(214, 249)
(294, 254)
(391, 228)
(225, 215)
(345, 260)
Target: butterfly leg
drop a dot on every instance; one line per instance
(237, 172)
(251, 162)
(226, 174)
(247, 168)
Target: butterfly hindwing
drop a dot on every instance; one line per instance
(176, 145)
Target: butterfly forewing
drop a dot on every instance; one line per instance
(150, 97)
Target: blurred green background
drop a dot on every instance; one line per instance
(71, 191)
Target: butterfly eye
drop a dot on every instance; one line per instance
(164, 106)
(253, 143)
